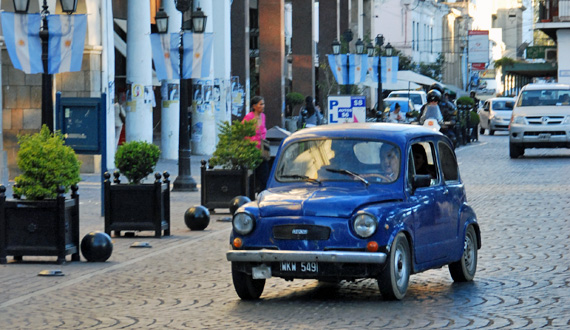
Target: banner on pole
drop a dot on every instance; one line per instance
(66, 42)
(22, 38)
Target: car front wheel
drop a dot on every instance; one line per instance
(246, 287)
(394, 279)
(515, 151)
(464, 269)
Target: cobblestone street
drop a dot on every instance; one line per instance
(184, 281)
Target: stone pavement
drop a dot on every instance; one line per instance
(184, 280)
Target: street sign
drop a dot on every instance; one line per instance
(478, 51)
(346, 109)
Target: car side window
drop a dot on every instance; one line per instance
(448, 163)
(424, 160)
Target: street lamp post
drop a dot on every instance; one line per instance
(379, 43)
(359, 45)
(69, 7)
(184, 180)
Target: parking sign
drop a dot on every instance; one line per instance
(346, 109)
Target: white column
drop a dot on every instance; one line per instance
(203, 131)
(139, 72)
(563, 43)
(3, 155)
(108, 76)
(222, 59)
(170, 91)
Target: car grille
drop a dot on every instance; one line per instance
(552, 133)
(545, 120)
(301, 232)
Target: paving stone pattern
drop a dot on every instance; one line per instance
(184, 281)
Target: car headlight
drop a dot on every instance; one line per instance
(519, 120)
(364, 224)
(243, 223)
(566, 121)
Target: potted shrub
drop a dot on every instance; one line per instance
(137, 206)
(40, 221)
(230, 170)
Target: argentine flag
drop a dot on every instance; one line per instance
(66, 42)
(338, 68)
(389, 69)
(165, 55)
(21, 35)
(197, 55)
(357, 68)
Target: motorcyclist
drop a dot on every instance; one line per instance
(448, 111)
(431, 109)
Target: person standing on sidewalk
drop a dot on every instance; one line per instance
(256, 113)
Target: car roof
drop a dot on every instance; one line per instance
(399, 99)
(502, 98)
(408, 91)
(545, 86)
(397, 133)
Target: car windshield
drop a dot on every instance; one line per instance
(416, 98)
(545, 97)
(315, 161)
(503, 105)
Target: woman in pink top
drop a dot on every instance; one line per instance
(257, 108)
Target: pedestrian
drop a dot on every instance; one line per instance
(396, 116)
(120, 117)
(256, 113)
(309, 115)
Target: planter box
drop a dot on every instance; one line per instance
(220, 186)
(137, 207)
(39, 228)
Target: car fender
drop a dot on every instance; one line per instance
(467, 218)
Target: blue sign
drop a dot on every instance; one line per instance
(346, 109)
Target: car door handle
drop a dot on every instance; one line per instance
(445, 191)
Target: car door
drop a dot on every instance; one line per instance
(426, 213)
(450, 197)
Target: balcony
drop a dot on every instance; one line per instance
(552, 16)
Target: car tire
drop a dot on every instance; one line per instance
(246, 287)
(464, 269)
(395, 277)
(515, 151)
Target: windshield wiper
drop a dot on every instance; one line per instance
(302, 177)
(347, 172)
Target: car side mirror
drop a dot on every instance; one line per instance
(421, 181)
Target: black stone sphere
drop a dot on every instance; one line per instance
(197, 217)
(96, 246)
(238, 201)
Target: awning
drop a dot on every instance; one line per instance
(415, 77)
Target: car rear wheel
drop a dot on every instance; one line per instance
(464, 269)
(515, 151)
(246, 287)
(394, 279)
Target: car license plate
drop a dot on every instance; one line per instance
(299, 267)
(544, 136)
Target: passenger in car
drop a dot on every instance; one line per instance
(420, 161)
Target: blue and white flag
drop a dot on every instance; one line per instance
(197, 55)
(358, 68)
(338, 68)
(389, 69)
(22, 38)
(66, 42)
(351, 72)
(165, 55)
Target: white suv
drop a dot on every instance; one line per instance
(540, 118)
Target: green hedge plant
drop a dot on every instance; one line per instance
(136, 160)
(234, 151)
(46, 163)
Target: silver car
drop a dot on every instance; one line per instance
(495, 114)
(540, 119)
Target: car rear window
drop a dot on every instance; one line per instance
(416, 99)
(544, 97)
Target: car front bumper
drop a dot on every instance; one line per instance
(539, 136)
(306, 256)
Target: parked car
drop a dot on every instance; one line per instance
(540, 119)
(359, 200)
(418, 98)
(495, 114)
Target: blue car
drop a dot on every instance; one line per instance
(350, 201)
